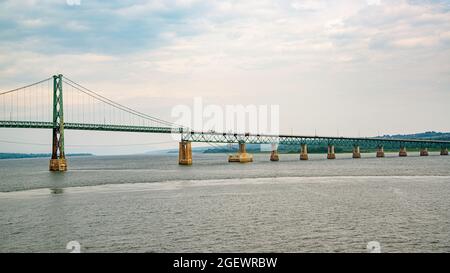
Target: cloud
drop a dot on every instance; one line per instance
(33, 23)
(182, 36)
(425, 41)
(285, 51)
(307, 5)
(116, 27)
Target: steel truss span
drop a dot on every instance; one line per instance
(311, 140)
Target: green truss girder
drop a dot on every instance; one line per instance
(311, 140)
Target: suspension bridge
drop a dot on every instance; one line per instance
(44, 105)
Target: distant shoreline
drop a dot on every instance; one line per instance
(22, 156)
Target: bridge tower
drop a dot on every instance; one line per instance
(58, 161)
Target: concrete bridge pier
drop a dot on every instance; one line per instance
(444, 151)
(331, 154)
(274, 154)
(356, 151)
(58, 165)
(242, 156)
(380, 151)
(403, 152)
(424, 152)
(185, 153)
(304, 152)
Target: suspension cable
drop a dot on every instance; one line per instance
(131, 111)
(118, 105)
(27, 86)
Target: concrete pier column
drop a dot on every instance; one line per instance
(274, 154)
(424, 152)
(304, 152)
(380, 151)
(185, 153)
(242, 156)
(356, 151)
(58, 165)
(403, 152)
(444, 151)
(331, 154)
(242, 148)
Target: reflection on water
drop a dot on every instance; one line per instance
(108, 205)
(57, 190)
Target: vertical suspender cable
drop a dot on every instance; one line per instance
(72, 106)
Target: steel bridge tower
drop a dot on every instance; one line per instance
(58, 161)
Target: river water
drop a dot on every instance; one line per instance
(149, 203)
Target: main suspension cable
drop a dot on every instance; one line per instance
(27, 86)
(118, 105)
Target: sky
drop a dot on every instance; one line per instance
(347, 68)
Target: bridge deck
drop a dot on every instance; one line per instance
(89, 127)
(213, 137)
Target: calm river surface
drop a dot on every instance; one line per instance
(151, 204)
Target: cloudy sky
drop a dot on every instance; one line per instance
(357, 67)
